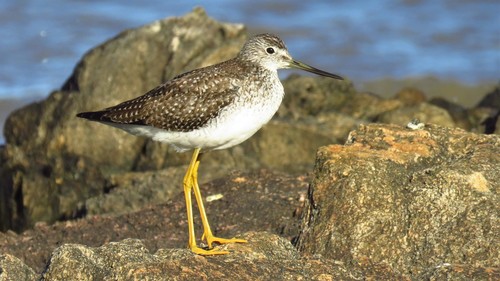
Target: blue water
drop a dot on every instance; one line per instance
(43, 40)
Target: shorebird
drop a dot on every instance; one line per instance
(210, 108)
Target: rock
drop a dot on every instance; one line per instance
(410, 96)
(132, 191)
(41, 189)
(265, 257)
(497, 126)
(422, 202)
(492, 99)
(483, 119)
(313, 95)
(289, 146)
(257, 201)
(447, 271)
(368, 106)
(487, 113)
(480, 119)
(12, 268)
(460, 92)
(7, 105)
(457, 112)
(424, 112)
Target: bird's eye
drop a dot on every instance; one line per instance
(270, 50)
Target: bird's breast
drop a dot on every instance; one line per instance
(251, 110)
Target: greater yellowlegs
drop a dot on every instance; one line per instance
(210, 108)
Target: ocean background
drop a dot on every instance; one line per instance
(366, 41)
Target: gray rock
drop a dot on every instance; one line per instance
(492, 99)
(486, 115)
(457, 91)
(132, 191)
(497, 126)
(483, 119)
(421, 202)
(258, 201)
(108, 262)
(265, 257)
(12, 269)
(424, 112)
(458, 113)
(368, 106)
(410, 96)
(314, 95)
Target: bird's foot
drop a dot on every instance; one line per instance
(211, 239)
(211, 252)
(225, 241)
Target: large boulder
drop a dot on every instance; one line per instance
(412, 199)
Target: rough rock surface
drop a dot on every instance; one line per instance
(410, 199)
(258, 201)
(12, 268)
(265, 257)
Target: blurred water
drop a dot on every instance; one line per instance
(43, 40)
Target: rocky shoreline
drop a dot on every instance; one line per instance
(335, 186)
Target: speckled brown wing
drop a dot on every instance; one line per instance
(185, 103)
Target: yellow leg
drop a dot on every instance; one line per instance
(190, 182)
(207, 232)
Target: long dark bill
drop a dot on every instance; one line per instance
(308, 68)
